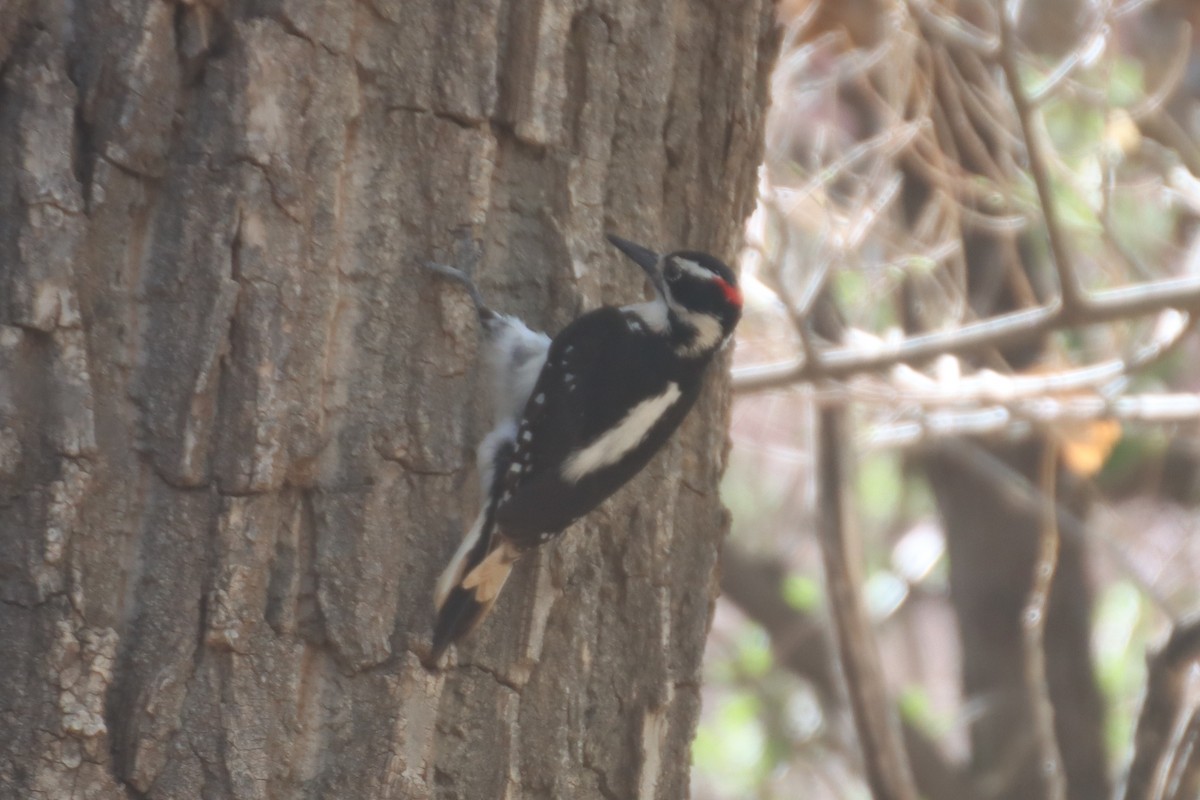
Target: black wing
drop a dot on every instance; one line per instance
(601, 365)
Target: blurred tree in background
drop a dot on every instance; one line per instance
(974, 275)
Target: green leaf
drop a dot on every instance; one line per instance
(754, 653)
(880, 485)
(1127, 82)
(730, 749)
(916, 705)
(1119, 641)
(802, 592)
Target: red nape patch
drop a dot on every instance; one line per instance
(732, 293)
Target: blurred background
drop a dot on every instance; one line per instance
(899, 198)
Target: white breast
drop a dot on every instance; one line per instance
(516, 355)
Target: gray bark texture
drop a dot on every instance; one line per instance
(237, 420)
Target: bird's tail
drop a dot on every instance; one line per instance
(468, 587)
(469, 599)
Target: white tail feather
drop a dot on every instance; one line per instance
(501, 436)
(453, 573)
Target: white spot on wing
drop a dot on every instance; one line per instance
(628, 434)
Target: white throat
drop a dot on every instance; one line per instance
(709, 333)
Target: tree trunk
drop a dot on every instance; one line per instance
(992, 544)
(237, 420)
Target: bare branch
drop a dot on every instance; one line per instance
(1015, 327)
(1185, 767)
(1034, 627)
(952, 29)
(801, 643)
(1028, 497)
(1027, 419)
(1094, 39)
(1154, 101)
(909, 387)
(1170, 703)
(887, 770)
(1071, 292)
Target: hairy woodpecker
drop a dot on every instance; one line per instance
(579, 416)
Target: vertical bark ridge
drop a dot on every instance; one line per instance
(236, 417)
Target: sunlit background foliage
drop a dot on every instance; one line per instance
(1117, 87)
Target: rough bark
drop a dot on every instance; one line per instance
(237, 420)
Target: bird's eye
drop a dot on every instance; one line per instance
(671, 271)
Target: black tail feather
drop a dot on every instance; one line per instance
(463, 608)
(456, 618)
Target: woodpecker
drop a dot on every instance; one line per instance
(579, 415)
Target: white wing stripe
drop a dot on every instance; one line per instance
(628, 434)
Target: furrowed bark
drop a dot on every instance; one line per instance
(237, 418)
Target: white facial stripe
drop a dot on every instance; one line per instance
(695, 269)
(708, 332)
(628, 434)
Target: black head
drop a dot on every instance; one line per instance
(700, 291)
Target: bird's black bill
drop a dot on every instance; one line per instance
(645, 258)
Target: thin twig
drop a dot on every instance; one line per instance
(1171, 79)
(801, 644)
(1185, 765)
(953, 29)
(1035, 628)
(999, 331)
(906, 386)
(1070, 289)
(1030, 418)
(1079, 54)
(887, 770)
(1170, 674)
(1018, 490)
(1108, 226)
